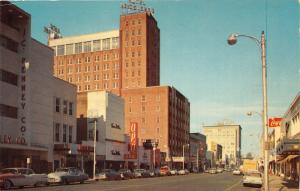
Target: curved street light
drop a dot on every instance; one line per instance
(232, 39)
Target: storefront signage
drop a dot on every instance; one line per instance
(7, 139)
(274, 122)
(116, 126)
(136, 6)
(115, 152)
(133, 140)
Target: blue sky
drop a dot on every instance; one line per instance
(222, 82)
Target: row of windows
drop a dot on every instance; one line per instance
(106, 57)
(143, 98)
(143, 109)
(8, 77)
(132, 63)
(95, 78)
(67, 133)
(67, 107)
(133, 54)
(9, 43)
(133, 22)
(97, 86)
(88, 46)
(8, 111)
(70, 70)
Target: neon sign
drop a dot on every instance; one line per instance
(135, 6)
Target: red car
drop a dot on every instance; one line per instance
(165, 171)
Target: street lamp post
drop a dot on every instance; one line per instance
(183, 154)
(232, 39)
(95, 134)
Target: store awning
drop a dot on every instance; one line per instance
(288, 158)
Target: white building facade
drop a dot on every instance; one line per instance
(229, 137)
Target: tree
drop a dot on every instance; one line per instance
(249, 156)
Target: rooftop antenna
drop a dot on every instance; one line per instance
(52, 31)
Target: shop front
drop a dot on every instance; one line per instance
(14, 155)
(288, 151)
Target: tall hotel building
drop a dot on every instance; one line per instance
(126, 62)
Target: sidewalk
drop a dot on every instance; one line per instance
(277, 183)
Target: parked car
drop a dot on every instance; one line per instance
(138, 173)
(183, 172)
(253, 178)
(20, 177)
(173, 172)
(206, 170)
(213, 171)
(220, 170)
(165, 171)
(109, 174)
(67, 175)
(236, 172)
(126, 174)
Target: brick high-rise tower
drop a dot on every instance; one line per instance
(139, 50)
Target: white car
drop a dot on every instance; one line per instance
(236, 172)
(173, 172)
(252, 178)
(183, 172)
(212, 171)
(67, 175)
(20, 177)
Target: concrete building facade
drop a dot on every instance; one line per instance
(26, 105)
(108, 110)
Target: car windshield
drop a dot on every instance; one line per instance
(254, 174)
(139, 170)
(8, 170)
(106, 170)
(62, 170)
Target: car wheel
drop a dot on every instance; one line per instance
(7, 185)
(81, 182)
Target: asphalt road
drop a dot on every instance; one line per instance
(192, 182)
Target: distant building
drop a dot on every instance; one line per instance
(229, 137)
(198, 150)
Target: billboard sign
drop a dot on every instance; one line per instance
(274, 122)
(133, 140)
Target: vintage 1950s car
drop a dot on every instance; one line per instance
(20, 177)
(67, 175)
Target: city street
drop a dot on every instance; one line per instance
(192, 182)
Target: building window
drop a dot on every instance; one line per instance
(9, 43)
(8, 111)
(87, 46)
(69, 49)
(70, 108)
(57, 132)
(70, 133)
(143, 98)
(91, 134)
(115, 42)
(78, 48)
(97, 58)
(8, 77)
(106, 44)
(60, 50)
(64, 133)
(87, 59)
(57, 104)
(96, 45)
(65, 107)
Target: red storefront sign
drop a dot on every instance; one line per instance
(274, 122)
(133, 140)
